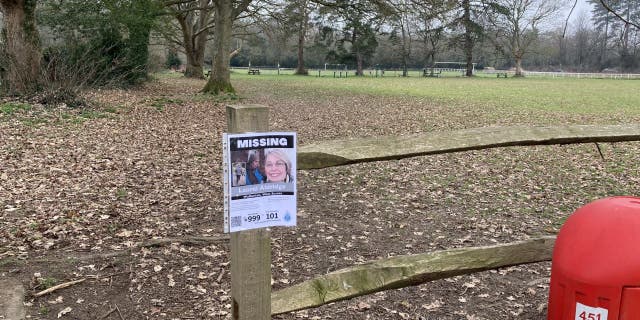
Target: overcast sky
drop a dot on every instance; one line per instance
(582, 7)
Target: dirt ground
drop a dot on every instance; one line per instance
(83, 200)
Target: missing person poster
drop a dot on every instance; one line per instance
(259, 180)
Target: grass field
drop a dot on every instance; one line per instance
(581, 96)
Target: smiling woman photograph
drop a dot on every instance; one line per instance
(277, 166)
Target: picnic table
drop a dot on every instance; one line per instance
(501, 74)
(254, 71)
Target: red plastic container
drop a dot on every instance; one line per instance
(595, 273)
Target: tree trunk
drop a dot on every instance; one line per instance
(518, 66)
(21, 46)
(194, 38)
(359, 68)
(220, 80)
(302, 31)
(468, 38)
(195, 57)
(562, 52)
(432, 53)
(194, 65)
(405, 49)
(354, 39)
(603, 53)
(626, 59)
(517, 54)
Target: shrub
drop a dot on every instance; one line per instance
(173, 61)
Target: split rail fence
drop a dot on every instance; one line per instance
(402, 271)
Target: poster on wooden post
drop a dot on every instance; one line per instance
(259, 172)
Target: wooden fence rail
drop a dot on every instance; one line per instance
(350, 151)
(403, 271)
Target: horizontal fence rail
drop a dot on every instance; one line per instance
(404, 271)
(350, 151)
(395, 72)
(583, 75)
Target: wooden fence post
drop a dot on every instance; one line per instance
(250, 250)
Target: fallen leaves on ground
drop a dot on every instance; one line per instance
(152, 170)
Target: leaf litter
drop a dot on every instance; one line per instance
(78, 199)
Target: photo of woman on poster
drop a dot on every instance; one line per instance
(254, 174)
(277, 166)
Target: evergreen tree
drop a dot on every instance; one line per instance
(360, 20)
(107, 41)
(620, 34)
(471, 17)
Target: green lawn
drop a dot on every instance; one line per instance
(581, 96)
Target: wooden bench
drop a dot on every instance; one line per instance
(501, 74)
(254, 71)
(430, 72)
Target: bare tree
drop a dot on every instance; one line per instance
(21, 51)
(401, 19)
(304, 9)
(584, 45)
(195, 21)
(226, 11)
(431, 22)
(517, 28)
(277, 25)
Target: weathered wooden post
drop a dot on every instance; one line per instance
(250, 250)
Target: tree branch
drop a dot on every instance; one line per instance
(606, 6)
(241, 7)
(566, 22)
(60, 286)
